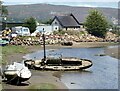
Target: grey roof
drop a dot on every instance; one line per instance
(68, 20)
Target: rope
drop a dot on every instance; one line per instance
(14, 77)
(11, 79)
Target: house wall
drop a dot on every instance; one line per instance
(55, 24)
(71, 28)
(47, 29)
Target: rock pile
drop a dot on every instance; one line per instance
(83, 38)
(57, 39)
(112, 37)
(28, 42)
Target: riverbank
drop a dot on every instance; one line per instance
(48, 77)
(15, 53)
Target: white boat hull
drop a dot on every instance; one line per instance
(14, 74)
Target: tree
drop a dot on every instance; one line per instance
(31, 24)
(3, 9)
(49, 21)
(96, 24)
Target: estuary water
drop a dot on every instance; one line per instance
(102, 75)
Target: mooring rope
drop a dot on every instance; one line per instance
(14, 77)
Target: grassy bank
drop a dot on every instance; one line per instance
(11, 50)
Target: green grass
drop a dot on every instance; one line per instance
(0, 87)
(11, 49)
(43, 87)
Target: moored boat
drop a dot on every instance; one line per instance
(16, 73)
(64, 63)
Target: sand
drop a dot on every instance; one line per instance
(51, 76)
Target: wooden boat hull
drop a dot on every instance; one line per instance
(85, 65)
(65, 67)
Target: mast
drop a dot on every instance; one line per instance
(44, 45)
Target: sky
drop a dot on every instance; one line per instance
(84, 3)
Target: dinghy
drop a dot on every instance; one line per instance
(16, 72)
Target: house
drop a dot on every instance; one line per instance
(65, 22)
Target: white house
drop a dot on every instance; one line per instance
(65, 22)
(23, 31)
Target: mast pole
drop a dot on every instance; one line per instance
(44, 45)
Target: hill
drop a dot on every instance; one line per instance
(46, 11)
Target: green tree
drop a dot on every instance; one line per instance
(96, 24)
(31, 24)
(3, 9)
(49, 21)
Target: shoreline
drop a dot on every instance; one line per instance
(19, 56)
(51, 76)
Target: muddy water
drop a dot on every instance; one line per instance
(102, 75)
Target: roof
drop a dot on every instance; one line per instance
(67, 21)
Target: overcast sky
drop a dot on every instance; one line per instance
(85, 3)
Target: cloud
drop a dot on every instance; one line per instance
(60, 1)
(87, 5)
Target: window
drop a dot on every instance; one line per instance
(56, 28)
(55, 22)
(25, 30)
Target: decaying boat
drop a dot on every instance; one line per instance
(16, 72)
(64, 63)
